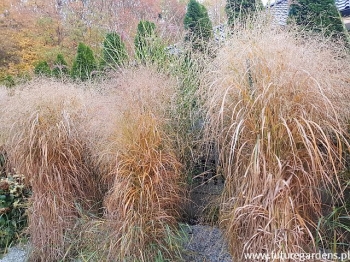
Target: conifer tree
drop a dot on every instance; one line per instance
(240, 9)
(84, 63)
(148, 47)
(198, 24)
(60, 67)
(114, 50)
(43, 69)
(318, 16)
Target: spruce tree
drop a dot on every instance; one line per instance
(43, 69)
(241, 9)
(84, 63)
(114, 50)
(148, 47)
(318, 16)
(198, 24)
(60, 67)
(143, 40)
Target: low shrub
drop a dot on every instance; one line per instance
(43, 69)
(7, 81)
(13, 206)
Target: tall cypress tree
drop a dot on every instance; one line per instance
(149, 47)
(114, 50)
(318, 16)
(60, 67)
(198, 24)
(84, 63)
(43, 69)
(240, 9)
(144, 38)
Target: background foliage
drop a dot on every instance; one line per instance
(114, 50)
(240, 9)
(13, 205)
(319, 16)
(198, 24)
(84, 63)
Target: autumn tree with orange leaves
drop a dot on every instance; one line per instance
(36, 30)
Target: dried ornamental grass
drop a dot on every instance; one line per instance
(135, 90)
(46, 146)
(277, 104)
(129, 139)
(143, 204)
(62, 136)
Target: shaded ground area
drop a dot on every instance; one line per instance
(16, 254)
(205, 244)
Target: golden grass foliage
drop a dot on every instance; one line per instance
(276, 104)
(142, 169)
(124, 96)
(76, 145)
(47, 146)
(144, 201)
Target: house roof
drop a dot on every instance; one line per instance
(280, 9)
(343, 7)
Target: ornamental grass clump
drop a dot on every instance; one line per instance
(137, 158)
(47, 146)
(80, 149)
(133, 90)
(277, 104)
(142, 207)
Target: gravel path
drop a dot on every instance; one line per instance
(15, 254)
(205, 244)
